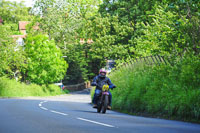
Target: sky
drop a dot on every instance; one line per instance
(28, 3)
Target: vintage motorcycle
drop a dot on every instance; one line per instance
(103, 100)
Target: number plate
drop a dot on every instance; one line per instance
(105, 93)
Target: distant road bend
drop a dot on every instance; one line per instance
(74, 114)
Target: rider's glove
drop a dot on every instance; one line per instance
(112, 87)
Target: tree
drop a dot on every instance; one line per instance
(44, 60)
(163, 35)
(12, 56)
(13, 12)
(120, 30)
(111, 40)
(183, 24)
(62, 21)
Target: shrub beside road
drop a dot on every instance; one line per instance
(12, 88)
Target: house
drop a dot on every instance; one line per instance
(22, 26)
(22, 29)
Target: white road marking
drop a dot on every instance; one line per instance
(43, 102)
(43, 108)
(58, 112)
(103, 124)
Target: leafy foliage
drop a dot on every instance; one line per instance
(109, 36)
(40, 62)
(160, 27)
(12, 88)
(62, 20)
(120, 30)
(163, 35)
(11, 55)
(45, 62)
(170, 91)
(13, 12)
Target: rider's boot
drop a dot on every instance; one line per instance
(109, 107)
(94, 106)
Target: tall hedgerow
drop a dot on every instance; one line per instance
(169, 91)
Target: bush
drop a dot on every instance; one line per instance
(65, 91)
(169, 91)
(12, 88)
(92, 92)
(45, 63)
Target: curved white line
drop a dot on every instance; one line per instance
(99, 123)
(58, 112)
(43, 108)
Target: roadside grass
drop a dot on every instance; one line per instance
(12, 88)
(171, 92)
(92, 93)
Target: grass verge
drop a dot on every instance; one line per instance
(12, 88)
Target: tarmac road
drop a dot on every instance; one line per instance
(74, 114)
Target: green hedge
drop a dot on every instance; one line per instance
(172, 92)
(92, 93)
(12, 88)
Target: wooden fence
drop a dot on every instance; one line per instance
(78, 87)
(149, 60)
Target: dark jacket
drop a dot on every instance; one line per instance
(99, 82)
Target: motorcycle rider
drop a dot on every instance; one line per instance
(99, 81)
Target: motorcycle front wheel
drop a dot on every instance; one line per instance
(105, 104)
(99, 106)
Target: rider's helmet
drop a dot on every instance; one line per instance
(102, 73)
